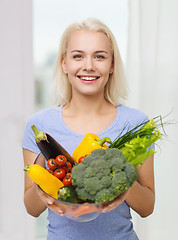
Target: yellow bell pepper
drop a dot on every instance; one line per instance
(89, 143)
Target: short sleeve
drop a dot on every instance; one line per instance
(28, 141)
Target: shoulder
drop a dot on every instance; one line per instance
(130, 115)
(46, 120)
(48, 112)
(132, 112)
(44, 117)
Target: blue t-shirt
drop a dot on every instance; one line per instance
(114, 225)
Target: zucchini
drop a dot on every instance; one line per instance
(45, 180)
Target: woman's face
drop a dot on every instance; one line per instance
(88, 62)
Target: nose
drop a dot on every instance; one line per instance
(89, 64)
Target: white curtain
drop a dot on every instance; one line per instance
(152, 72)
(16, 105)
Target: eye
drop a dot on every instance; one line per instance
(99, 57)
(77, 56)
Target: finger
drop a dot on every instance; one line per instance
(46, 199)
(108, 207)
(50, 202)
(56, 209)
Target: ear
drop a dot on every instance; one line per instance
(64, 67)
(111, 69)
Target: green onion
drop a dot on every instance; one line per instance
(135, 143)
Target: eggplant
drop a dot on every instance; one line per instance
(49, 147)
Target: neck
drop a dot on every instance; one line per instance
(87, 105)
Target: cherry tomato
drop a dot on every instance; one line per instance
(59, 173)
(51, 163)
(67, 180)
(67, 167)
(60, 160)
(50, 171)
(81, 159)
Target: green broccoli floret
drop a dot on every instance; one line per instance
(104, 195)
(103, 175)
(80, 170)
(120, 183)
(130, 173)
(84, 195)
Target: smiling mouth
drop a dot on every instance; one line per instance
(88, 78)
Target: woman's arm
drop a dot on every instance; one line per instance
(33, 203)
(141, 197)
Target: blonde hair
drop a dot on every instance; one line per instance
(115, 88)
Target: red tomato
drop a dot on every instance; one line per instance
(51, 163)
(67, 180)
(50, 171)
(60, 160)
(67, 167)
(59, 173)
(81, 159)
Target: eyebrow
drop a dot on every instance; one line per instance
(98, 51)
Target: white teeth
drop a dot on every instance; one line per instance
(88, 78)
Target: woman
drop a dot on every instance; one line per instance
(90, 84)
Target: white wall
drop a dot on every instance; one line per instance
(153, 80)
(16, 105)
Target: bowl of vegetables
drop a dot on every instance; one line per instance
(80, 188)
(58, 186)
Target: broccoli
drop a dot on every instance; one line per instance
(103, 175)
(130, 172)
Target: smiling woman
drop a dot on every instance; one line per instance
(93, 51)
(88, 68)
(90, 84)
(46, 34)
